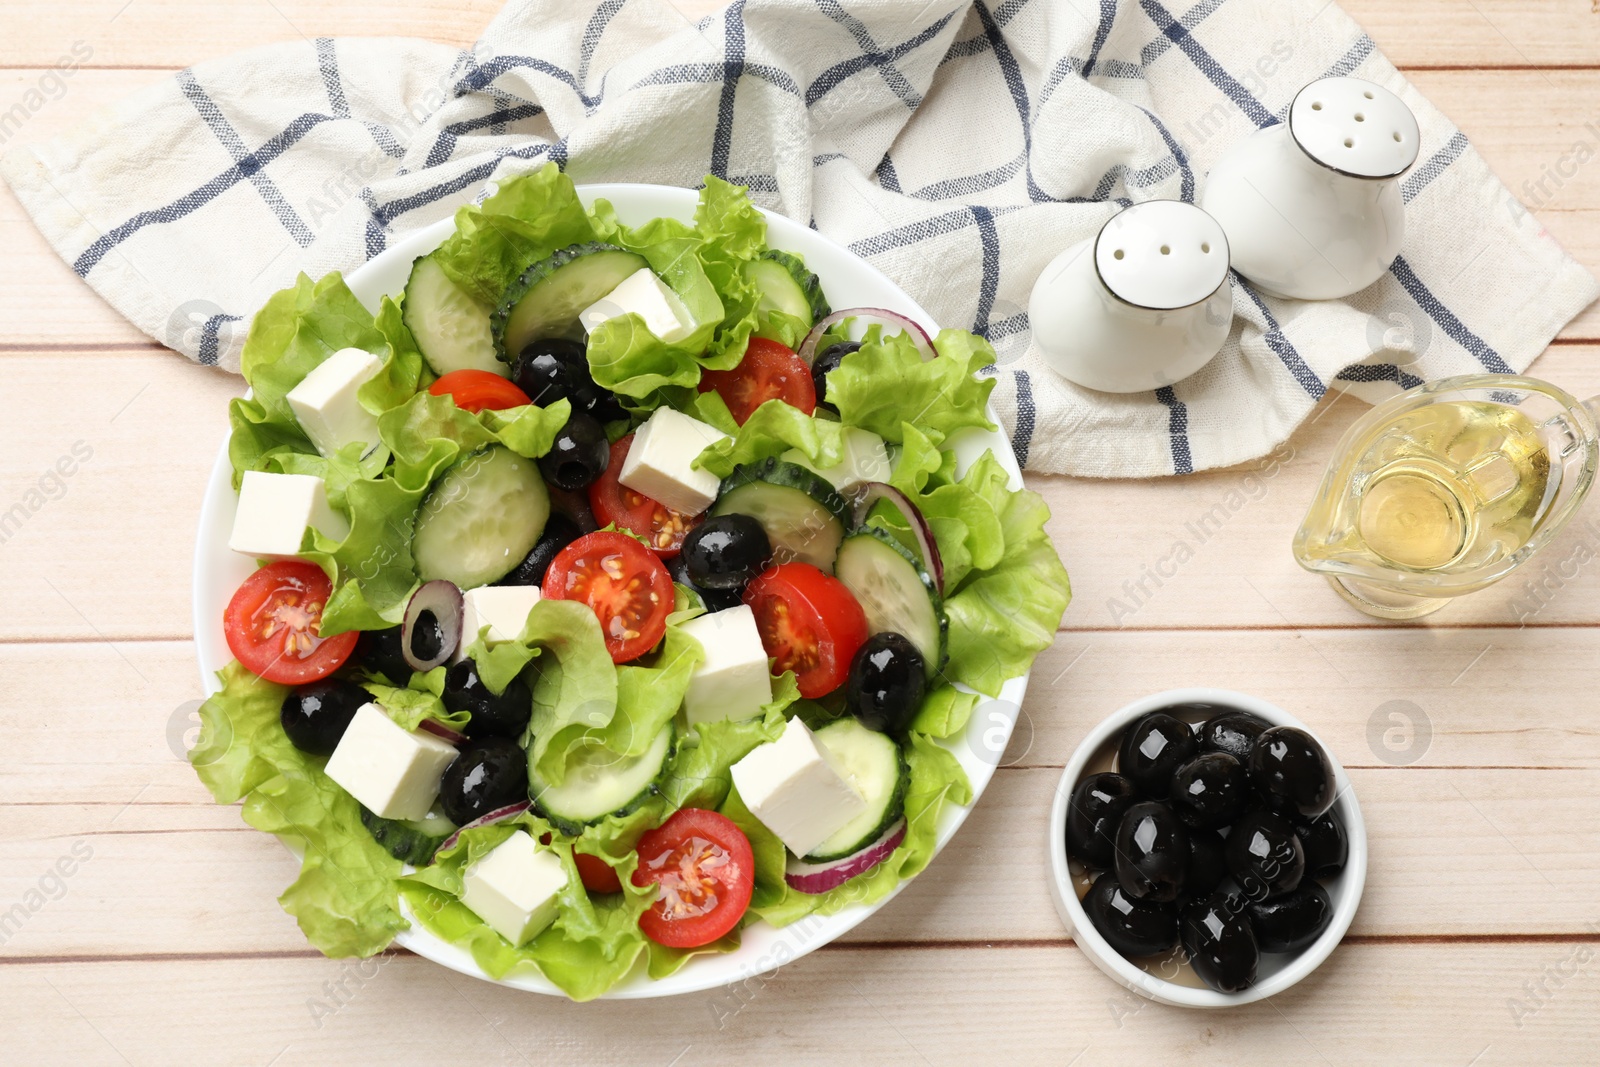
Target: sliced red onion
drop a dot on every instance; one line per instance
(498, 815)
(869, 493)
(440, 730)
(814, 878)
(440, 601)
(892, 323)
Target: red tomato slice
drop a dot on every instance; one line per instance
(706, 870)
(271, 624)
(598, 876)
(623, 583)
(614, 504)
(810, 624)
(474, 390)
(769, 371)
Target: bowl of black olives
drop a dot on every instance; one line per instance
(1206, 849)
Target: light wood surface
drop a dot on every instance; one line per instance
(1477, 938)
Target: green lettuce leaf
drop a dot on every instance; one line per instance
(429, 433)
(773, 429)
(418, 701)
(885, 384)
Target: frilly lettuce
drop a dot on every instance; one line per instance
(885, 384)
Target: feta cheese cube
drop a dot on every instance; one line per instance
(864, 458)
(514, 888)
(647, 296)
(797, 791)
(274, 511)
(502, 608)
(733, 681)
(660, 461)
(393, 771)
(325, 401)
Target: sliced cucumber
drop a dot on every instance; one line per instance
(450, 327)
(873, 764)
(546, 300)
(786, 285)
(803, 514)
(895, 592)
(599, 783)
(482, 518)
(411, 841)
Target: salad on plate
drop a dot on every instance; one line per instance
(615, 592)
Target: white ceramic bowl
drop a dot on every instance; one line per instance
(1278, 971)
(848, 281)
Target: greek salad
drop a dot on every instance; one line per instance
(615, 591)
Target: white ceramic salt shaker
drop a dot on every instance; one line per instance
(1143, 304)
(1312, 207)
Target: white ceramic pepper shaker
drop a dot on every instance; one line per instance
(1312, 207)
(1143, 304)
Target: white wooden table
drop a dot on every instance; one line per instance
(1476, 942)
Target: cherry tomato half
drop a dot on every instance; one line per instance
(474, 390)
(810, 623)
(598, 876)
(614, 504)
(706, 870)
(769, 371)
(271, 624)
(623, 583)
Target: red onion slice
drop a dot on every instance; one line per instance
(892, 323)
(869, 493)
(440, 600)
(813, 878)
(440, 730)
(498, 815)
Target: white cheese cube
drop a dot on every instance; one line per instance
(390, 769)
(325, 401)
(647, 296)
(733, 680)
(660, 461)
(274, 511)
(797, 791)
(864, 458)
(514, 888)
(502, 608)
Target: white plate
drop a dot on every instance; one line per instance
(848, 282)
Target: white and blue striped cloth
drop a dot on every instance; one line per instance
(957, 144)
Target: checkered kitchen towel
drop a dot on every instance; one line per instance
(958, 145)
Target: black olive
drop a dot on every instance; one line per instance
(1264, 855)
(726, 551)
(488, 775)
(1291, 772)
(1292, 922)
(382, 652)
(316, 716)
(1325, 844)
(1152, 852)
(715, 599)
(559, 532)
(1220, 942)
(828, 360)
(1094, 812)
(1132, 927)
(886, 683)
(1152, 750)
(505, 715)
(551, 369)
(1211, 790)
(427, 637)
(579, 455)
(1207, 864)
(1233, 732)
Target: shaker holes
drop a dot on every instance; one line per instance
(1166, 250)
(1117, 253)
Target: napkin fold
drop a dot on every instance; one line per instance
(958, 146)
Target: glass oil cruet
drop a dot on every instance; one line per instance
(1445, 489)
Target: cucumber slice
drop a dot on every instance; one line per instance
(412, 841)
(599, 783)
(546, 300)
(482, 518)
(873, 763)
(450, 328)
(786, 285)
(895, 592)
(803, 514)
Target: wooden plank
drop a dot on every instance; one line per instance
(1481, 33)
